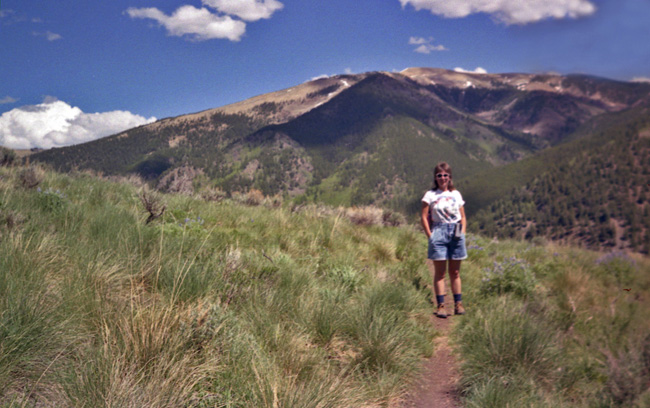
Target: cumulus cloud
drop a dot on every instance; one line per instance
(199, 24)
(54, 123)
(7, 99)
(203, 24)
(507, 11)
(477, 70)
(425, 45)
(249, 10)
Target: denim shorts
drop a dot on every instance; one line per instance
(443, 245)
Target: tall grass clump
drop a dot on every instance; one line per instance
(388, 345)
(34, 333)
(31, 176)
(146, 360)
(628, 375)
(504, 343)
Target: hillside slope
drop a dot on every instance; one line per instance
(247, 303)
(329, 139)
(593, 191)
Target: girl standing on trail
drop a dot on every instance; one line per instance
(444, 222)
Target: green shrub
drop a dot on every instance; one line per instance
(7, 156)
(619, 266)
(512, 275)
(346, 276)
(52, 201)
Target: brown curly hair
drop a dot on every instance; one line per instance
(440, 168)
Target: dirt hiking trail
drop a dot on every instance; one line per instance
(437, 387)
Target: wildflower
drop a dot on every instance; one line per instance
(615, 256)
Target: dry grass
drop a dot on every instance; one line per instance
(31, 177)
(368, 215)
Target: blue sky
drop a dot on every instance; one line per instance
(76, 70)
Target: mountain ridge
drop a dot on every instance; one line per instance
(359, 139)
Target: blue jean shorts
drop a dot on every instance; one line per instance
(443, 245)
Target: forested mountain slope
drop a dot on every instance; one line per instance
(593, 191)
(357, 139)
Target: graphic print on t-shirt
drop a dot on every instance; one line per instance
(446, 208)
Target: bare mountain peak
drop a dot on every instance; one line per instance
(285, 104)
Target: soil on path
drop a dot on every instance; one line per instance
(437, 387)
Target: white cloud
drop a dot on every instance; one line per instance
(49, 35)
(425, 46)
(7, 99)
(199, 24)
(204, 24)
(316, 78)
(10, 17)
(477, 70)
(54, 123)
(507, 11)
(52, 36)
(641, 79)
(419, 40)
(249, 10)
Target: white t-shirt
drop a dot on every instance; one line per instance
(444, 206)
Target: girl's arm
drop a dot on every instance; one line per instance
(424, 219)
(463, 219)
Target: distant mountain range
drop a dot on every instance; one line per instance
(375, 138)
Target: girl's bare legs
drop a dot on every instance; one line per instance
(439, 268)
(439, 271)
(454, 276)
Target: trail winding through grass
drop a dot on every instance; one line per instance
(438, 384)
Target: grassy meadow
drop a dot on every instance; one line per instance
(250, 301)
